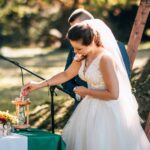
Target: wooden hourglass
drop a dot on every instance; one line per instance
(22, 112)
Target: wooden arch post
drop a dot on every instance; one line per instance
(137, 29)
(135, 39)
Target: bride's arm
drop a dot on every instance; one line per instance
(64, 76)
(59, 78)
(107, 68)
(111, 92)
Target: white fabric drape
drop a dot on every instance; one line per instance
(109, 42)
(14, 142)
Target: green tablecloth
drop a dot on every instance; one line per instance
(42, 140)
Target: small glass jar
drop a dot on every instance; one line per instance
(7, 129)
(1, 130)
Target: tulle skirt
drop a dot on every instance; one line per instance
(104, 125)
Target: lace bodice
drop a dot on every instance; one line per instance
(92, 75)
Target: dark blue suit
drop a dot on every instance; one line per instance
(76, 81)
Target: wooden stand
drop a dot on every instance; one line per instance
(22, 105)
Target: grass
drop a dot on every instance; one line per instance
(45, 65)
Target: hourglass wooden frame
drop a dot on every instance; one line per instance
(18, 102)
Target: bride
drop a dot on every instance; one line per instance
(107, 117)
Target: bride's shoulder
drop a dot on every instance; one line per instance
(106, 59)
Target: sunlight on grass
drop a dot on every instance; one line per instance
(24, 52)
(45, 65)
(63, 110)
(144, 46)
(10, 81)
(142, 56)
(41, 120)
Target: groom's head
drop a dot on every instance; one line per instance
(79, 15)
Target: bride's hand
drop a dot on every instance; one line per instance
(29, 87)
(81, 90)
(78, 57)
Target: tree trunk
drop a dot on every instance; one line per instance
(106, 1)
(75, 4)
(88, 2)
(137, 30)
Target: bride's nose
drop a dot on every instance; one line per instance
(77, 52)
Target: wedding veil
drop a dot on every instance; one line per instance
(126, 98)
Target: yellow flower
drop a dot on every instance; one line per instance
(6, 117)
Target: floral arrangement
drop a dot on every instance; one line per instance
(5, 118)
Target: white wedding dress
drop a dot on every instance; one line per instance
(98, 124)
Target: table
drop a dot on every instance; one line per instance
(32, 139)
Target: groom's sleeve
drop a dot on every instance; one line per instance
(69, 85)
(125, 58)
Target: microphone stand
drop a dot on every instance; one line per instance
(51, 89)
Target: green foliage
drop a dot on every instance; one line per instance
(24, 23)
(141, 83)
(120, 19)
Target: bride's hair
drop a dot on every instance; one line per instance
(97, 39)
(84, 33)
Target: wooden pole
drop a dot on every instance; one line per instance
(137, 29)
(147, 127)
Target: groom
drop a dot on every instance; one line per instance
(78, 16)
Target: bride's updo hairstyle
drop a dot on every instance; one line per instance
(84, 33)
